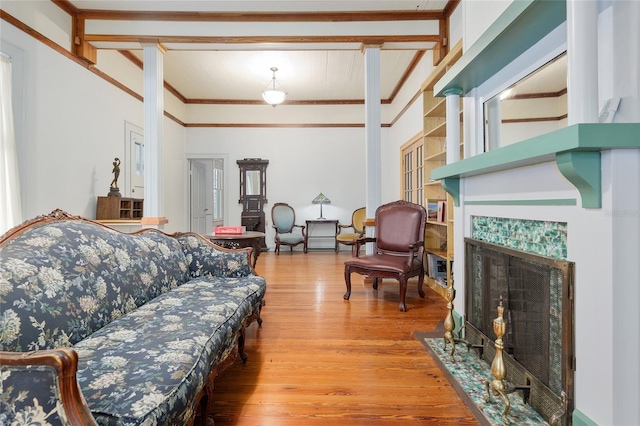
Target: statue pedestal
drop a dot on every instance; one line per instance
(114, 192)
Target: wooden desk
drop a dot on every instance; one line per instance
(310, 229)
(235, 241)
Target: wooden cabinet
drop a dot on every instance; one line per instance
(439, 228)
(119, 208)
(253, 194)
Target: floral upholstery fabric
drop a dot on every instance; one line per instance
(29, 396)
(150, 315)
(205, 258)
(62, 281)
(146, 367)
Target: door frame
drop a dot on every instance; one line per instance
(127, 160)
(198, 198)
(187, 183)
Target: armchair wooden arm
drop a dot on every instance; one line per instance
(302, 228)
(413, 250)
(360, 242)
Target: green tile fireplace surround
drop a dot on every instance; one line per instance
(575, 149)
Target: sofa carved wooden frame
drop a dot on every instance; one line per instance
(64, 361)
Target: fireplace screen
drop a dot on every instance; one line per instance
(537, 296)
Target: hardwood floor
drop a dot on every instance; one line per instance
(319, 359)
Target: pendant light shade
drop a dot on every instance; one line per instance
(274, 94)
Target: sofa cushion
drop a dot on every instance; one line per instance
(148, 366)
(61, 281)
(205, 258)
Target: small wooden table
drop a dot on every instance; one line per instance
(236, 241)
(309, 235)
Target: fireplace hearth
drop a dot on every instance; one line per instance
(537, 345)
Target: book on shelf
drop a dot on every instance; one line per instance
(230, 230)
(436, 266)
(432, 209)
(441, 215)
(442, 282)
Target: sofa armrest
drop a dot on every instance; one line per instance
(41, 384)
(206, 258)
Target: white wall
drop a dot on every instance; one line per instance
(70, 127)
(45, 16)
(302, 163)
(619, 57)
(405, 128)
(477, 16)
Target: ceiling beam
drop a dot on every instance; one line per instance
(414, 63)
(449, 8)
(362, 16)
(67, 6)
(165, 39)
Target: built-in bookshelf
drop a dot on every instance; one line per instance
(439, 204)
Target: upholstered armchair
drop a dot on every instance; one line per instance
(283, 218)
(357, 226)
(399, 248)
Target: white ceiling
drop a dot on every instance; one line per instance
(325, 70)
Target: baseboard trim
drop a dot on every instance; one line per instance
(580, 419)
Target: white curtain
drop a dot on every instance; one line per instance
(10, 204)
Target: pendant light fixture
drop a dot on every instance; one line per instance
(274, 93)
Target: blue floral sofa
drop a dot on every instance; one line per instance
(98, 326)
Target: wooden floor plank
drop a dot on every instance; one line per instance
(319, 359)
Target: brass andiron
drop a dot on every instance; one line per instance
(450, 325)
(499, 370)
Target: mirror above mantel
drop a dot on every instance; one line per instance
(535, 105)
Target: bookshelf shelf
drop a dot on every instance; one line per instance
(438, 110)
(437, 223)
(438, 233)
(440, 156)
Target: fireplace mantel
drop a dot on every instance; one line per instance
(575, 149)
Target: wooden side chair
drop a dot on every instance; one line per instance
(399, 248)
(283, 218)
(357, 225)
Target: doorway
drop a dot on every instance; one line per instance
(134, 161)
(206, 194)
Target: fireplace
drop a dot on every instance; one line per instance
(537, 296)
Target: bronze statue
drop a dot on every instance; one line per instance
(116, 174)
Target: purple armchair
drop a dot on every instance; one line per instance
(399, 238)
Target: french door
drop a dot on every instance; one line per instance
(413, 171)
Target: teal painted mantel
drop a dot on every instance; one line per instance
(575, 149)
(521, 25)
